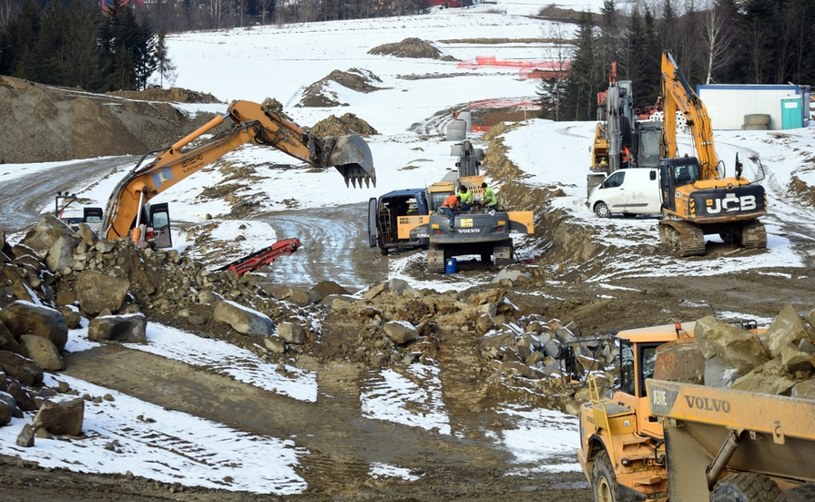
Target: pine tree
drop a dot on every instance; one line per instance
(81, 46)
(580, 95)
(165, 67)
(22, 38)
(49, 47)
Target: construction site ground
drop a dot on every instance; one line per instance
(462, 466)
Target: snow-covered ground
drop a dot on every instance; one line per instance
(280, 62)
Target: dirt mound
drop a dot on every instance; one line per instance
(320, 94)
(80, 125)
(339, 126)
(411, 48)
(173, 94)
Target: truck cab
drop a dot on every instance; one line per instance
(622, 450)
(387, 212)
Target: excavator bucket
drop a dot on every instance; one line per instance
(352, 157)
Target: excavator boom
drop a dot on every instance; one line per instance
(350, 155)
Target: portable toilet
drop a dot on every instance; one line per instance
(791, 113)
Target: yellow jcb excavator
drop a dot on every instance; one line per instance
(252, 122)
(697, 199)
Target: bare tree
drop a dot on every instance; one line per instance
(718, 40)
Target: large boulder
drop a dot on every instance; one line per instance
(130, 328)
(43, 352)
(787, 329)
(242, 319)
(737, 347)
(7, 340)
(61, 417)
(97, 292)
(6, 412)
(26, 318)
(769, 378)
(291, 333)
(23, 369)
(46, 233)
(61, 255)
(400, 332)
(680, 361)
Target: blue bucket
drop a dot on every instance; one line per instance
(450, 266)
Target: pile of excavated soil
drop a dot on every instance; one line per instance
(173, 94)
(339, 126)
(319, 94)
(411, 48)
(40, 123)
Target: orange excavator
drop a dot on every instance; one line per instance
(125, 214)
(698, 199)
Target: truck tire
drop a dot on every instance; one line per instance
(755, 127)
(602, 210)
(603, 480)
(803, 493)
(745, 487)
(757, 119)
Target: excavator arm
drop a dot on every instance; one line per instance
(679, 96)
(252, 122)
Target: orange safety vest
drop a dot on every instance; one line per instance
(451, 201)
(625, 154)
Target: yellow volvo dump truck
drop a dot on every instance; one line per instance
(724, 444)
(656, 440)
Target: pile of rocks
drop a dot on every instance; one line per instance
(778, 361)
(55, 277)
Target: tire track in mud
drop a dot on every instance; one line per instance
(334, 247)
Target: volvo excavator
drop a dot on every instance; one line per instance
(697, 198)
(125, 215)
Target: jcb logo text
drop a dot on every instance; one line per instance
(731, 204)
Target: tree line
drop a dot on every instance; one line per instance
(79, 45)
(718, 41)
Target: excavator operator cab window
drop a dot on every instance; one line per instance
(686, 174)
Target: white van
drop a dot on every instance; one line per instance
(627, 191)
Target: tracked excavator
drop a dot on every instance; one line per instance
(698, 199)
(126, 214)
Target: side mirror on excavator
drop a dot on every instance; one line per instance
(739, 167)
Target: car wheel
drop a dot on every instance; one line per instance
(601, 210)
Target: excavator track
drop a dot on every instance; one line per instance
(682, 238)
(754, 235)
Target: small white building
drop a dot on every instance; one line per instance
(787, 106)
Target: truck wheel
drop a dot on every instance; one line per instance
(603, 480)
(601, 210)
(745, 487)
(803, 493)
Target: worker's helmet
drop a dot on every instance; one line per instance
(463, 188)
(484, 185)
